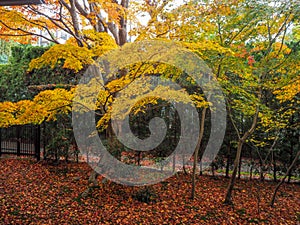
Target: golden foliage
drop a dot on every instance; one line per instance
(289, 91)
(73, 57)
(45, 106)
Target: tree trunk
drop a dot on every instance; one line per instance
(234, 172)
(274, 167)
(183, 165)
(240, 167)
(228, 198)
(174, 163)
(75, 21)
(197, 153)
(251, 165)
(251, 172)
(200, 168)
(291, 159)
(283, 179)
(138, 158)
(92, 183)
(228, 161)
(261, 172)
(213, 170)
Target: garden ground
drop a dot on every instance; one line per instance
(39, 193)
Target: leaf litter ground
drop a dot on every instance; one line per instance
(39, 193)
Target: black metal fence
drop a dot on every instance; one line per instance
(21, 140)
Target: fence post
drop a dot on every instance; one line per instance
(37, 142)
(44, 133)
(0, 141)
(18, 140)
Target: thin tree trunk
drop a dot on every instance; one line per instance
(92, 183)
(274, 167)
(213, 170)
(234, 172)
(262, 170)
(228, 196)
(174, 163)
(283, 179)
(75, 20)
(197, 152)
(262, 162)
(228, 161)
(183, 165)
(139, 158)
(240, 167)
(200, 168)
(273, 158)
(291, 159)
(251, 165)
(251, 172)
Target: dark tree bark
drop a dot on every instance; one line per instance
(283, 179)
(240, 167)
(228, 162)
(196, 154)
(274, 167)
(228, 196)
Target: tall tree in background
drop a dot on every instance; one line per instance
(25, 22)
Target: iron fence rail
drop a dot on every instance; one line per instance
(21, 140)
